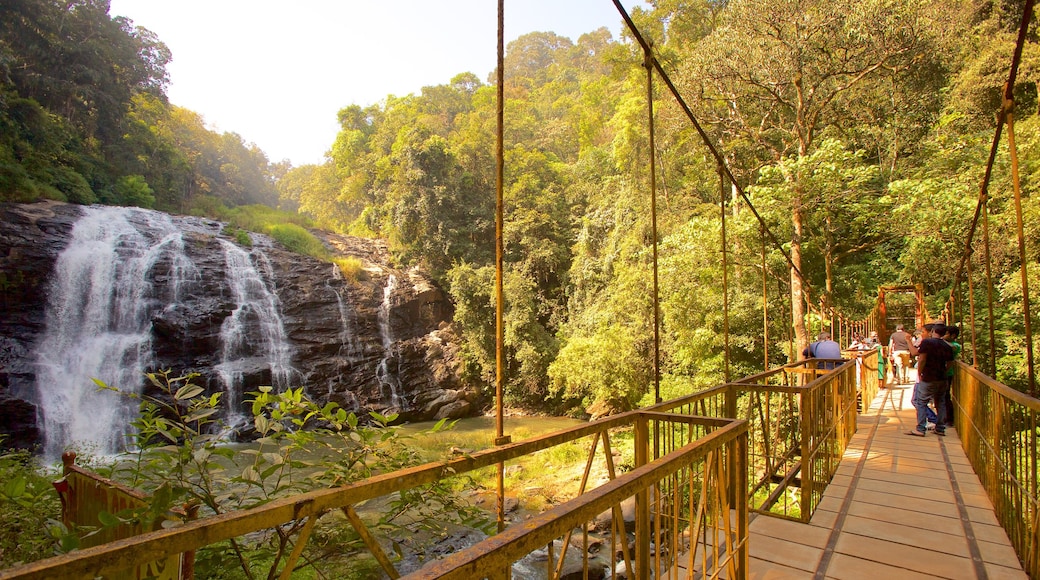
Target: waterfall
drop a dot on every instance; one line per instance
(350, 346)
(98, 322)
(253, 335)
(388, 381)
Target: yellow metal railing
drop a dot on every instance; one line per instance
(998, 427)
(683, 509)
(686, 499)
(800, 420)
(85, 495)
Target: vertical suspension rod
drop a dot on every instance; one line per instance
(765, 306)
(989, 287)
(971, 307)
(653, 221)
(500, 437)
(1010, 105)
(725, 269)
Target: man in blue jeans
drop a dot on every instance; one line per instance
(933, 356)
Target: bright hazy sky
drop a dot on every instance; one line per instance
(277, 71)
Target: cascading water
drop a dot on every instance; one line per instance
(350, 347)
(253, 335)
(388, 380)
(98, 323)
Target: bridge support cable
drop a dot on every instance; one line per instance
(765, 306)
(1009, 106)
(500, 437)
(653, 221)
(989, 288)
(725, 270)
(971, 310)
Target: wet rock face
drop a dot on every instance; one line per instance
(382, 342)
(31, 237)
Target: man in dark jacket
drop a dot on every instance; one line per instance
(933, 356)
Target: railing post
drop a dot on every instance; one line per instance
(191, 513)
(731, 413)
(805, 420)
(739, 482)
(642, 444)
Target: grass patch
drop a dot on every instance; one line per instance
(298, 240)
(287, 228)
(352, 268)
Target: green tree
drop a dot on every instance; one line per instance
(775, 73)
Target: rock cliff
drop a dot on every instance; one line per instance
(382, 342)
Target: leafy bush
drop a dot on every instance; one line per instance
(182, 457)
(298, 240)
(258, 218)
(30, 511)
(351, 268)
(134, 190)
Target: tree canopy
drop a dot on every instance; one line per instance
(84, 117)
(858, 129)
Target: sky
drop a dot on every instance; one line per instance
(276, 72)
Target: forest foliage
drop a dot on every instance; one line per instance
(84, 117)
(859, 131)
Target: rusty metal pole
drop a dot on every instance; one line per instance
(765, 305)
(500, 437)
(648, 63)
(971, 309)
(725, 271)
(1009, 106)
(989, 286)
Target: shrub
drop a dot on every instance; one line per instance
(298, 240)
(134, 190)
(351, 268)
(181, 456)
(30, 511)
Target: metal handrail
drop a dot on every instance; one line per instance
(999, 429)
(798, 428)
(127, 554)
(494, 557)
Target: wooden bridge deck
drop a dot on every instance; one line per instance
(899, 507)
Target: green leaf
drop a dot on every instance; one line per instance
(250, 475)
(267, 472)
(14, 488)
(69, 542)
(200, 414)
(188, 391)
(108, 520)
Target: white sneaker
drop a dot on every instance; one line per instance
(929, 426)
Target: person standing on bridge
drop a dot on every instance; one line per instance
(899, 346)
(952, 332)
(933, 357)
(824, 347)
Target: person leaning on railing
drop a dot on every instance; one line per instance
(824, 347)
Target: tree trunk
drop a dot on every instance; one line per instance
(828, 266)
(797, 295)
